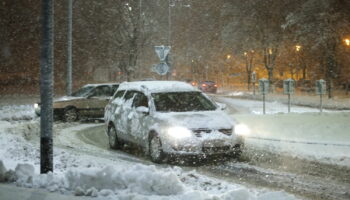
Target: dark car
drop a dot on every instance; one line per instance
(208, 86)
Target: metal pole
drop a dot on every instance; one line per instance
(46, 86)
(289, 103)
(141, 35)
(69, 48)
(169, 36)
(169, 24)
(321, 103)
(264, 111)
(254, 88)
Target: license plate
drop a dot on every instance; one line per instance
(214, 143)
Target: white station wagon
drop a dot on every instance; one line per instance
(169, 117)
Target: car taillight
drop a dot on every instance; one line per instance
(215, 85)
(204, 85)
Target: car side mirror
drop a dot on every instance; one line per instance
(142, 109)
(221, 106)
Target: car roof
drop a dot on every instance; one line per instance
(157, 86)
(208, 82)
(100, 84)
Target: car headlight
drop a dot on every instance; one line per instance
(179, 132)
(242, 129)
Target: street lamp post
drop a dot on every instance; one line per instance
(171, 3)
(347, 86)
(69, 49)
(46, 86)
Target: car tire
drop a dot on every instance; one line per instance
(155, 149)
(70, 114)
(113, 138)
(237, 152)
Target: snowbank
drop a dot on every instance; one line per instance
(340, 102)
(2, 172)
(319, 137)
(17, 112)
(138, 181)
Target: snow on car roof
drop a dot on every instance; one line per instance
(157, 86)
(99, 84)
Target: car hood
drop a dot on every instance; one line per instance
(67, 98)
(197, 120)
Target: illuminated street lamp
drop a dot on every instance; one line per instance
(297, 47)
(228, 56)
(270, 51)
(347, 41)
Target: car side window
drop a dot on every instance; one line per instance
(102, 91)
(129, 95)
(119, 94)
(114, 89)
(140, 100)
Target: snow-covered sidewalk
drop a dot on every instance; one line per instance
(298, 99)
(304, 133)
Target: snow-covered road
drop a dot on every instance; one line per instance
(84, 166)
(269, 169)
(292, 174)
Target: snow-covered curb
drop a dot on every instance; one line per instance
(18, 112)
(312, 101)
(138, 181)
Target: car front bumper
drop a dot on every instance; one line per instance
(204, 147)
(56, 111)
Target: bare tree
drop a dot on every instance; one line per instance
(256, 24)
(321, 24)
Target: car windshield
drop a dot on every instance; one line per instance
(182, 102)
(82, 92)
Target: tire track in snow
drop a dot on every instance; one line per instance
(298, 142)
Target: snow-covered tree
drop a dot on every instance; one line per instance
(256, 25)
(321, 25)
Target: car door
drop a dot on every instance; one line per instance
(113, 107)
(98, 99)
(136, 119)
(123, 114)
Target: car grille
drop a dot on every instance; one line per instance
(199, 132)
(226, 131)
(215, 149)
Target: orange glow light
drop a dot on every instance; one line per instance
(347, 42)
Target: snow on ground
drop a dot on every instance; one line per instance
(340, 101)
(274, 107)
(17, 112)
(81, 169)
(304, 133)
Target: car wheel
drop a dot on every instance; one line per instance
(113, 138)
(237, 152)
(70, 115)
(56, 117)
(155, 150)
